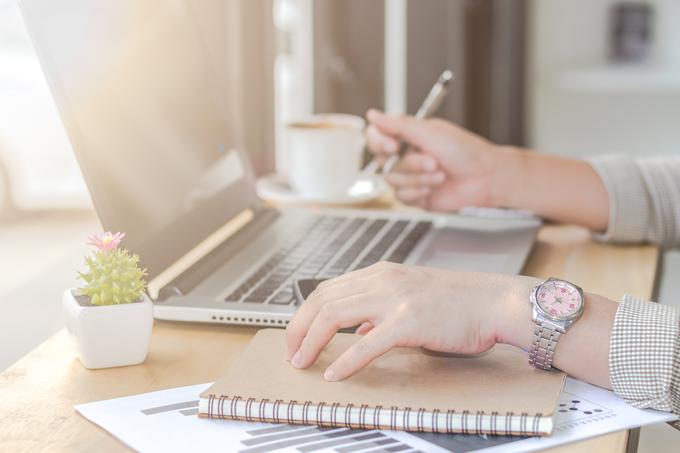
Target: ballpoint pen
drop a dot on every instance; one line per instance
(427, 108)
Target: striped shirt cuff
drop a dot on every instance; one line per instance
(629, 206)
(644, 198)
(644, 355)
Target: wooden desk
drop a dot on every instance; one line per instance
(37, 393)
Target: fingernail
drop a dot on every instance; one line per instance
(296, 360)
(390, 146)
(329, 374)
(429, 165)
(437, 178)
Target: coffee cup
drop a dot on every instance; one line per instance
(325, 154)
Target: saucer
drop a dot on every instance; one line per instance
(274, 187)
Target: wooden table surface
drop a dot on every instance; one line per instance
(38, 392)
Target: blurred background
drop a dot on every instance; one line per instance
(574, 77)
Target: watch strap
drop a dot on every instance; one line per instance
(543, 347)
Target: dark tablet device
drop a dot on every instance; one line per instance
(303, 288)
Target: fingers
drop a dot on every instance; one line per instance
(402, 180)
(412, 195)
(422, 203)
(333, 316)
(380, 143)
(330, 290)
(414, 178)
(399, 127)
(364, 328)
(369, 347)
(414, 162)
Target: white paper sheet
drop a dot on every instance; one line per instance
(166, 421)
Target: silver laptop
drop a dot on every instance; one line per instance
(137, 93)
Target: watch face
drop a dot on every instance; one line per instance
(559, 299)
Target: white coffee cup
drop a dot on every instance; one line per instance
(325, 154)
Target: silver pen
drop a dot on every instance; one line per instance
(427, 108)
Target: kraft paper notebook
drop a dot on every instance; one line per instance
(406, 389)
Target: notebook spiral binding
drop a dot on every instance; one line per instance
(394, 418)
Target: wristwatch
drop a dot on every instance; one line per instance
(557, 304)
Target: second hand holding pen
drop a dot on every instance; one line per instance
(428, 107)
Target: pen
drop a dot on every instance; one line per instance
(427, 108)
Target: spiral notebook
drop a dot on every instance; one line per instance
(408, 389)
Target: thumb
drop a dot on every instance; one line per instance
(403, 127)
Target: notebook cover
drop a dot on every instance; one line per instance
(500, 380)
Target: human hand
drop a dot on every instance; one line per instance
(454, 168)
(432, 308)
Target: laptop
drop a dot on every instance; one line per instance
(135, 85)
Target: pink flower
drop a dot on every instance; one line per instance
(106, 241)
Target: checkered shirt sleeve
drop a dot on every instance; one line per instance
(644, 355)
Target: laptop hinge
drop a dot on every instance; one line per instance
(199, 252)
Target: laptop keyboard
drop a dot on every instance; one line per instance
(328, 247)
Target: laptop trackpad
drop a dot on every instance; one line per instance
(466, 250)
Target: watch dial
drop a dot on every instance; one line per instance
(559, 299)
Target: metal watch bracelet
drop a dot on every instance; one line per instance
(543, 347)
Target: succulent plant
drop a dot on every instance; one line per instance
(113, 275)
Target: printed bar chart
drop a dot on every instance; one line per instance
(307, 439)
(144, 421)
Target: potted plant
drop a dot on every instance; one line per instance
(110, 318)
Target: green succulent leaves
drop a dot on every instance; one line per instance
(113, 277)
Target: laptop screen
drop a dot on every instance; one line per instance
(147, 118)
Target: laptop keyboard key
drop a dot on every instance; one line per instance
(310, 254)
(382, 245)
(412, 238)
(282, 298)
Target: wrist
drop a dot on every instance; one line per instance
(514, 325)
(508, 170)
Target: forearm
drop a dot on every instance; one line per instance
(556, 188)
(583, 352)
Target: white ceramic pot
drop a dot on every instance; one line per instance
(108, 336)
